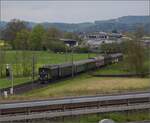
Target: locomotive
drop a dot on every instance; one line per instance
(56, 71)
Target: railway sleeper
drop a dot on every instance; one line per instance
(138, 100)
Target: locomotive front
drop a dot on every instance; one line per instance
(43, 74)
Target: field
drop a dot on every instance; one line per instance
(87, 85)
(42, 57)
(117, 68)
(45, 57)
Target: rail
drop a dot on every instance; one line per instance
(73, 112)
(74, 106)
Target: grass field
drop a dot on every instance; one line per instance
(45, 57)
(86, 85)
(42, 57)
(7, 83)
(117, 68)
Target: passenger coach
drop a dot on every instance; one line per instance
(52, 72)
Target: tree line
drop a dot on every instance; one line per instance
(21, 36)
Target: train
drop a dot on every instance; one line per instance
(48, 73)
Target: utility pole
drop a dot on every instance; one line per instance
(33, 67)
(72, 63)
(12, 81)
(88, 51)
(66, 54)
(9, 75)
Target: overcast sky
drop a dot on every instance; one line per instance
(71, 11)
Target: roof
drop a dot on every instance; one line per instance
(67, 40)
(68, 64)
(84, 61)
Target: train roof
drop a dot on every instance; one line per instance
(116, 54)
(81, 61)
(84, 61)
(65, 65)
(68, 64)
(53, 66)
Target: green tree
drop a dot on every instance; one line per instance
(111, 48)
(54, 33)
(82, 49)
(22, 40)
(36, 37)
(50, 37)
(51, 40)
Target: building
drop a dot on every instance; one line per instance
(97, 38)
(146, 41)
(70, 42)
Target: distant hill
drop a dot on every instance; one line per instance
(125, 23)
(128, 20)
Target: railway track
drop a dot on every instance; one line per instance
(19, 89)
(73, 106)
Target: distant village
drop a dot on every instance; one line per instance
(95, 39)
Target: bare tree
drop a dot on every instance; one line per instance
(135, 52)
(12, 28)
(2, 62)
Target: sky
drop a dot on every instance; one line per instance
(71, 11)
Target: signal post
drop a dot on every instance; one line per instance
(9, 75)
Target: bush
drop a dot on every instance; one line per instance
(111, 48)
(81, 49)
(57, 46)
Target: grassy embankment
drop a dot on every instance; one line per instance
(42, 57)
(117, 117)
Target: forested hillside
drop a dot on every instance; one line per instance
(122, 24)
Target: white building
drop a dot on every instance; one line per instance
(97, 38)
